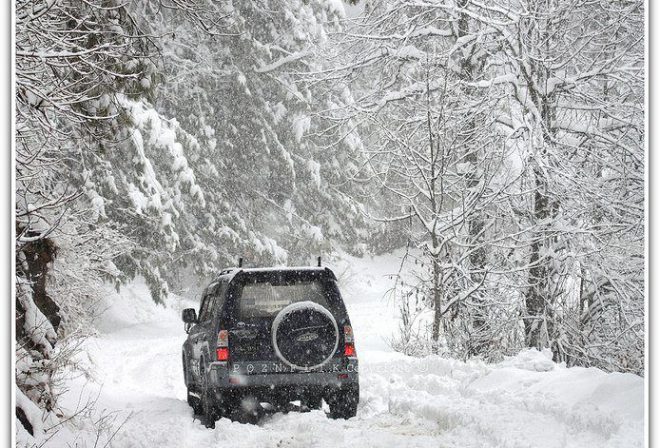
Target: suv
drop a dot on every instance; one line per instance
(272, 335)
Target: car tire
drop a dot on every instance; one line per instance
(194, 402)
(344, 402)
(191, 397)
(209, 409)
(295, 352)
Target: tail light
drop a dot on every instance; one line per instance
(223, 353)
(349, 345)
(222, 346)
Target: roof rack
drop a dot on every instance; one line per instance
(228, 271)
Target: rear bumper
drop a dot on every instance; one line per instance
(338, 374)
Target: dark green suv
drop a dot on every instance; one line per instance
(270, 335)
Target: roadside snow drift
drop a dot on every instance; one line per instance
(525, 401)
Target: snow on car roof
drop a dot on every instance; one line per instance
(235, 270)
(284, 268)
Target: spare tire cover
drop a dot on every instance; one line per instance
(305, 335)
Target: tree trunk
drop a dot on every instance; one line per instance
(537, 299)
(38, 255)
(437, 292)
(475, 224)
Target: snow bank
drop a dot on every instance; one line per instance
(524, 401)
(132, 306)
(534, 360)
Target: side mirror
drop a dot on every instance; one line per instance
(189, 316)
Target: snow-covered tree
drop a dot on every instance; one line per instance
(575, 74)
(83, 74)
(272, 184)
(436, 153)
(538, 106)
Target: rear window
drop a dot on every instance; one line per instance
(265, 298)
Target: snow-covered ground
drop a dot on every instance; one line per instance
(526, 401)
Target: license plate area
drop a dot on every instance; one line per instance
(260, 368)
(275, 367)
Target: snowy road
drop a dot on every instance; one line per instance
(405, 402)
